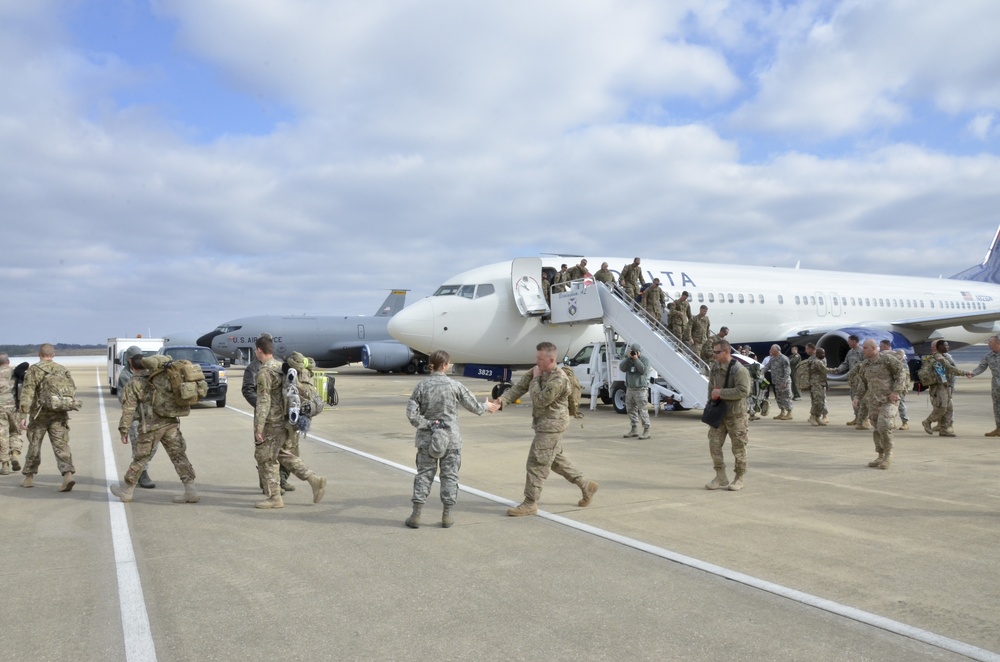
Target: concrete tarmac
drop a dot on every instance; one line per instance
(345, 579)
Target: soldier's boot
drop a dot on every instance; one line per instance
(413, 521)
(813, 421)
(905, 425)
(877, 461)
(15, 461)
(936, 428)
(285, 485)
(645, 433)
(780, 416)
(886, 461)
(864, 425)
(68, 482)
(737, 483)
(720, 481)
(853, 421)
(788, 415)
(824, 420)
(145, 482)
(631, 433)
(995, 433)
(29, 480)
(588, 489)
(927, 426)
(123, 491)
(274, 500)
(446, 519)
(318, 485)
(525, 508)
(947, 432)
(190, 494)
(5, 469)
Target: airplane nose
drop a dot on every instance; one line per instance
(206, 340)
(414, 326)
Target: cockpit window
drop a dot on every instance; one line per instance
(447, 290)
(467, 291)
(229, 328)
(484, 290)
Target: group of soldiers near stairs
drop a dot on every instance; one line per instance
(879, 381)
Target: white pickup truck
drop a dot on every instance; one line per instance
(590, 365)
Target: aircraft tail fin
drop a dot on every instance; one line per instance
(392, 304)
(989, 270)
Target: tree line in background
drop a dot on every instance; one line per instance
(65, 349)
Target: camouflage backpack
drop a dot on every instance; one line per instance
(56, 390)
(177, 384)
(802, 375)
(302, 397)
(929, 373)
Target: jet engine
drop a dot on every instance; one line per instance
(386, 356)
(834, 343)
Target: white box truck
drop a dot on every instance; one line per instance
(116, 355)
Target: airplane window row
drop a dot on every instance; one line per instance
(818, 300)
(727, 298)
(466, 291)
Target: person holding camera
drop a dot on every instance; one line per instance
(636, 369)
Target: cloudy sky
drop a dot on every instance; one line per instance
(167, 165)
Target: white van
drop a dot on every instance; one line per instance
(116, 355)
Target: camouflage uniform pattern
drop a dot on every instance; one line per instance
(9, 442)
(699, 330)
(436, 399)
(653, 300)
(549, 419)
(153, 429)
(270, 421)
(877, 378)
(42, 422)
(992, 361)
(817, 386)
(679, 319)
(133, 431)
(632, 279)
(575, 389)
(900, 356)
(854, 358)
(636, 389)
(734, 423)
(794, 360)
(942, 408)
(605, 276)
(706, 349)
(781, 378)
(576, 272)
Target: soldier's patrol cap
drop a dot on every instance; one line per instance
(636, 348)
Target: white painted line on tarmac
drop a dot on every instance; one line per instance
(135, 621)
(867, 618)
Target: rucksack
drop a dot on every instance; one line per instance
(56, 390)
(802, 375)
(927, 374)
(177, 385)
(302, 397)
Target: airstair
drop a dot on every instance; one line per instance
(684, 373)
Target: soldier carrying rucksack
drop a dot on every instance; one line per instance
(47, 397)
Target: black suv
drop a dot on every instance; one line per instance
(215, 374)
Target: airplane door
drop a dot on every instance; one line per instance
(361, 331)
(820, 304)
(834, 304)
(526, 284)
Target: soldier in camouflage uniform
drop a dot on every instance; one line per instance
(635, 366)
(10, 444)
(604, 275)
(126, 373)
(271, 431)
(781, 379)
(817, 385)
(794, 359)
(679, 319)
(153, 429)
(942, 411)
(249, 391)
(433, 408)
(707, 348)
(632, 279)
(577, 271)
(853, 358)
(881, 380)
(653, 300)
(561, 280)
(885, 345)
(728, 381)
(42, 421)
(549, 391)
(992, 361)
(700, 325)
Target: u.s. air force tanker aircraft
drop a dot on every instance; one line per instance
(332, 340)
(475, 315)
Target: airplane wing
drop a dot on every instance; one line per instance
(942, 321)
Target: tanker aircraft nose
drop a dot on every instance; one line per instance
(414, 326)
